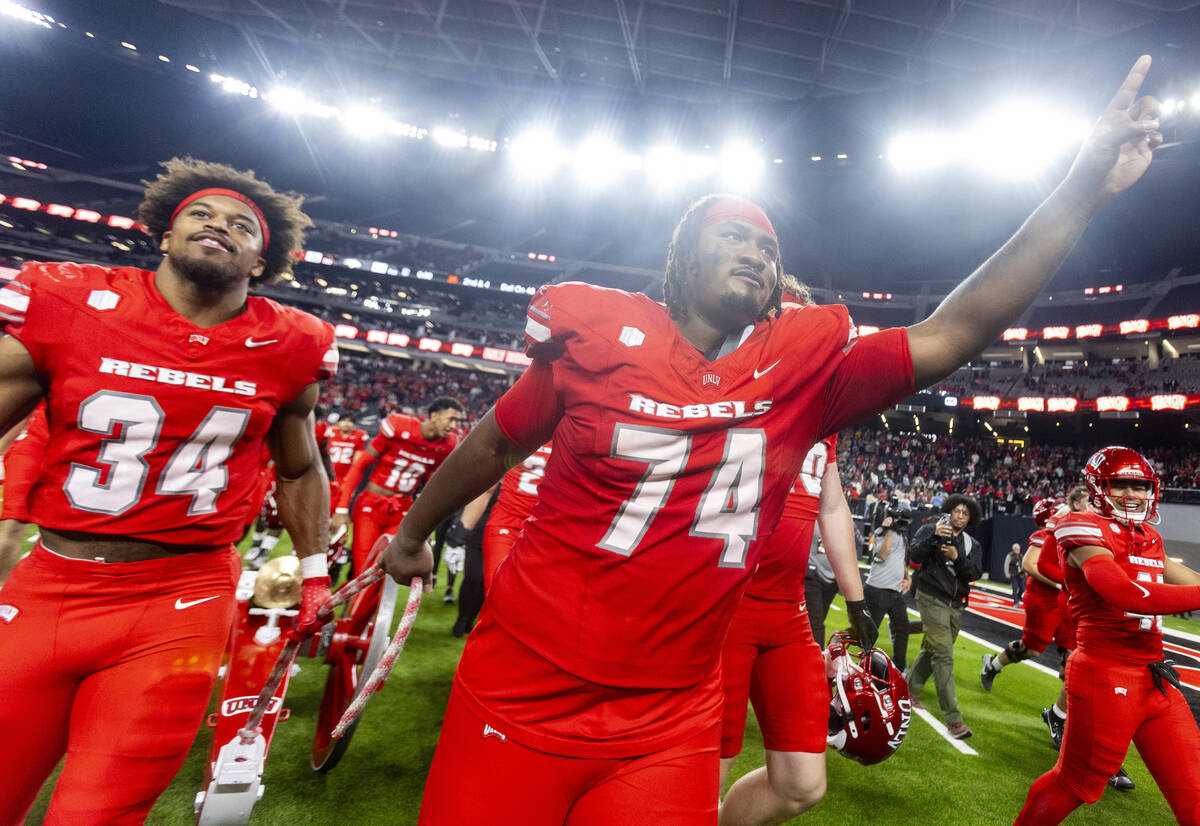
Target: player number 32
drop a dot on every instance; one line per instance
(729, 507)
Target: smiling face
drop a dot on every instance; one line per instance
(444, 422)
(215, 242)
(1131, 496)
(736, 273)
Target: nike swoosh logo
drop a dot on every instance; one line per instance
(1145, 593)
(758, 374)
(180, 604)
(250, 342)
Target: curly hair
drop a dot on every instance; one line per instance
(681, 260)
(791, 285)
(186, 175)
(955, 499)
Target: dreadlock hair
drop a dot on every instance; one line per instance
(186, 175)
(681, 260)
(791, 285)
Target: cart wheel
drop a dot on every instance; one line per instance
(358, 642)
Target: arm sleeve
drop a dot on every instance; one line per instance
(1048, 564)
(876, 373)
(528, 413)
(1109, 581)
(353, 477)
(23, 316)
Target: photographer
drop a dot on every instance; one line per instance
(950, 561)
(887, 581)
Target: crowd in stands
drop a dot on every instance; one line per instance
(408, 251)
(1127, 377)
(921, 469)
(372, 386)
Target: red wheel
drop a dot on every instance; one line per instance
(358, 642)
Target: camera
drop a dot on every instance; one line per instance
(900, 514)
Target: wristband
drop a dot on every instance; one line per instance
(314, 566)
(341, 511)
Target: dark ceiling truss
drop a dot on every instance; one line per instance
(690, 49)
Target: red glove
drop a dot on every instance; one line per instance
(315, 593)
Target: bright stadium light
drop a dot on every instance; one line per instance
(11, 9)
(1002, 144)
(1170, 106)
(364, 122)
(667, 167)
(448, 137)
(740, 166)
(536, 154)
(599, 162)
(920, 152)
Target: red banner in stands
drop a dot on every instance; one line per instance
(1101, 404)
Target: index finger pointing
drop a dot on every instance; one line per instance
(1126, 95)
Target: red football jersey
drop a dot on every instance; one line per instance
(668, 472)
(781, 570)
(405, 456)
(342, 450)
(519, 490)
(34, 435)
(157, 426)
(1041, 593)
(321, 430)
(1100, 627)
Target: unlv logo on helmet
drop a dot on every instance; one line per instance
(1114, 463)
(870, 710)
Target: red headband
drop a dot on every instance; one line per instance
(228, 193)
(738, 209)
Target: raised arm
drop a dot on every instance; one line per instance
(977, 311)
(473, 467)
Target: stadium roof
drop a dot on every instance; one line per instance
(690, 50)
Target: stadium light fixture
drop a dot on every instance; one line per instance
(15, 10)
(364, 122)
(1170, 106)
(1002, 143)
(600, 162)
(448, 137)
(740, 166)
(536, 154)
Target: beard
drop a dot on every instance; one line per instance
(205, 273)
(740, 304)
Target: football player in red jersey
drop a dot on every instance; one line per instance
(22, 461)
(404, 451)
(1119, 688)
(518, 494)
(344, 441)
(161, 389)
(678, 431)
(771, 658)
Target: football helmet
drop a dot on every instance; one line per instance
(870, 709)
(1116, 463)
(1043, 510)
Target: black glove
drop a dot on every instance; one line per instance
(1164, 671)
(862, 626)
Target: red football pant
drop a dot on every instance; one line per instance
(498, 542)
(771, 658)
(1044, 623)
(373, 516)
(1110, 704)
(114, 665)
(511, 783)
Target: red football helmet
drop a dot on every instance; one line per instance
(1115, 463)
(870, 709)
(1043, 510)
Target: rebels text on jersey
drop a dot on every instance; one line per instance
(668, 472)
(342, 450)
(157, 426)
(781, 570)
(405, 456)
(1102, 628)
(519, 491)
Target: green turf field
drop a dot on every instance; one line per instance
(379, 781)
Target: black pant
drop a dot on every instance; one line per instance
(883, 602)
(470, 594)
(818, 596)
